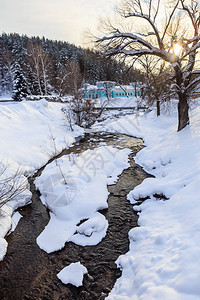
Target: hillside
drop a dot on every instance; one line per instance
(41, 66)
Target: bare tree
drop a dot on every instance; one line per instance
(157, 81)
(6, 67)
(12, 185)
(62, 79)
(82, 111)
(75, 78)
(108, 90)
(161, 40)
(40, 63)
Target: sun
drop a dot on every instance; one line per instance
(177, 49)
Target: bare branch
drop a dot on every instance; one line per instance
(157, 10)
(147, 18)
(150, 3)
(169, 20)
(189, 12)
(193, 83)
(12, 185)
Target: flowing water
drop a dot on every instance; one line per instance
(27, 272)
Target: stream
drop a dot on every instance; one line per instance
(27, 272)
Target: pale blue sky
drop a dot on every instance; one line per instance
(54, 19)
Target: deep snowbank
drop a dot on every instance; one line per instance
(164, 257)
(30, 133)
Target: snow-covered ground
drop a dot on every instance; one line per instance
(30, 133)
(119, 107)
(119, 102)
(5, 98)
(164, 257)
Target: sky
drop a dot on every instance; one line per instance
(54, 19)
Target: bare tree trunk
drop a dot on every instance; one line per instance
(183, 116)
(38, 80)
(136, 90)
(34, 61)
(44, 75)
(123, 89)
(158, 107)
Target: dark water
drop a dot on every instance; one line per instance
(27, 272)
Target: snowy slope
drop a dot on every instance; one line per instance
(30, 134)
(164, 257)
(27, 130)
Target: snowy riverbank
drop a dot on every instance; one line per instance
(30, 133)
(164, 257)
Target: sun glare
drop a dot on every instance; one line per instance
(177, 49)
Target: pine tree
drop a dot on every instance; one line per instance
(19, 84)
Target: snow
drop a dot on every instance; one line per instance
(38, 124)
(73, 274)
(164, 256)
(91, 232)
(5, 98)
(78, 194)
(164, 252)
(15, 220)
(120, 102)
(30, 133)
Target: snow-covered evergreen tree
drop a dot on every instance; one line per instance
(19, 83)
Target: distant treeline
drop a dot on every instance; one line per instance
(39, 66)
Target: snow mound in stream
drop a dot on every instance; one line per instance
(73, 274)
(91, 231)
(77, 194)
